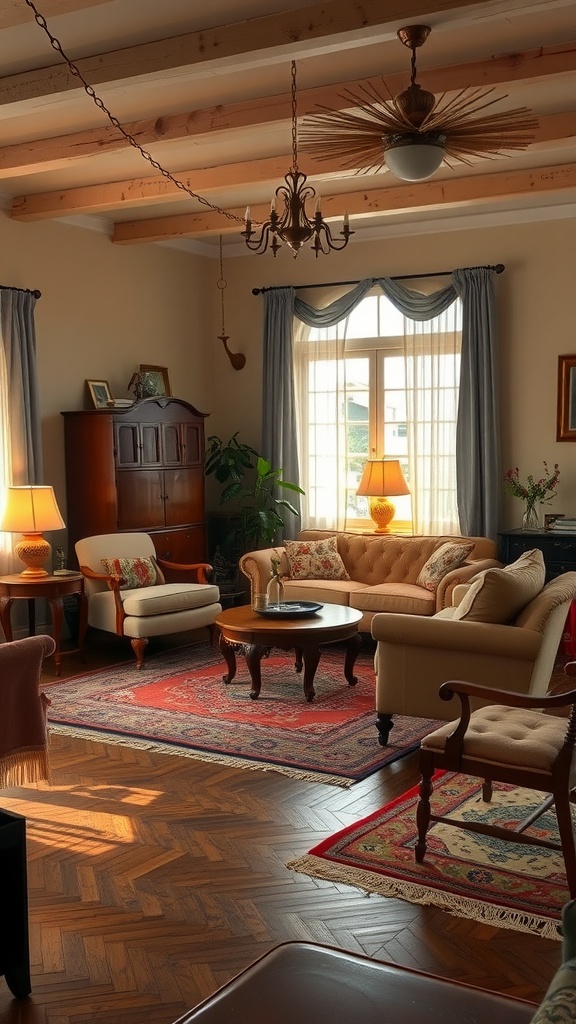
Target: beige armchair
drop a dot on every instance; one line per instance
(415, 654)
(128, 595)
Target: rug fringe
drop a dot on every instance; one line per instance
(458, 906)
(96, 736)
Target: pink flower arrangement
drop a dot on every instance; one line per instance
(533, 491)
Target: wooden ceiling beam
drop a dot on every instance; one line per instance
(15, 12)
(250, 42)
(49, 154)
(206, 180)
(471, 190)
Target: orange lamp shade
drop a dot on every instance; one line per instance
(30, 510)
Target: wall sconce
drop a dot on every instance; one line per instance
(30, 510)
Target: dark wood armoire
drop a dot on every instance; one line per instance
(139, 468)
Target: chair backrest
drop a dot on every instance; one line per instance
(546, 613)
(91, 550)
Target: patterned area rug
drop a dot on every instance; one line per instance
(468, 875)
(177, 703)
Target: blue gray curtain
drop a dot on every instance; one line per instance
(477, 434)
(18, 339)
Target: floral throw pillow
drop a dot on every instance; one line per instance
(315, 560)
(447, 557)
(138, 572)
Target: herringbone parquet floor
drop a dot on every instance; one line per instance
(153, 879)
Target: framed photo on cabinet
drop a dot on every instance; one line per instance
(566, 415)
(159, 377)
(99, 393)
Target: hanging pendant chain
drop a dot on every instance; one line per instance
(294, 121)
(221, 284)
(56, 45)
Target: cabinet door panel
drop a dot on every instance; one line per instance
(171, 444)
(184, 496)
(193, 444)
(140, 499)
(127, 444)
(151, 444)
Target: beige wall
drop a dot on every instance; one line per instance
(106, 308)
(537, 323)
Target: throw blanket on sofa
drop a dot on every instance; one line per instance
(23, 727)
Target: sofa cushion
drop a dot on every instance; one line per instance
(394, 597)
(315, 560)
(499, 595)
(447, 557)
(137, 572)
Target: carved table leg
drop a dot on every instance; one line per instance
(254, 655)
(56, 607)
(353, 646)
(311, 659)
(229, 654)
(5, 606)
(298, 659)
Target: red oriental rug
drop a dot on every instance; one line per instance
(468, 875)
(177, 703)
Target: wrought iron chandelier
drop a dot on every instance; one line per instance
(415, 132)
(292, 226)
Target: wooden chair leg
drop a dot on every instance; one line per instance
(566, 829)
(423, 807)
(139, 645)
(487, 790)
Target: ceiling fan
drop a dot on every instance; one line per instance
(413, 133)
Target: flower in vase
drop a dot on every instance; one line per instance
(533, 492)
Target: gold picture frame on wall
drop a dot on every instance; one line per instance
(566, 414)
(99, 393)
(160, 377)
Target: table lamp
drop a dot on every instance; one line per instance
(30, 510)
(381, 478)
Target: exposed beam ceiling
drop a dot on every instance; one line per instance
(206, 95)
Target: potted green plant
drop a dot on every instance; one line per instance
(249, 481)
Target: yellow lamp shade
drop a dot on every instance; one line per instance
(381, 478)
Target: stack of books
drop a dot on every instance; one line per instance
(566, 524)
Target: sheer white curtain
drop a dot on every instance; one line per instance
(431, 354)
(432, 368)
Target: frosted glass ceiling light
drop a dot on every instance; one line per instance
(415, 132)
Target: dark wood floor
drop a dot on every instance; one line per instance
(153, 879)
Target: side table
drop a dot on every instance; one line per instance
(53, 589)
(558, 548)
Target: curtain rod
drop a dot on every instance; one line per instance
(30, 291)
(499, 269)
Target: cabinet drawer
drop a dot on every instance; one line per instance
(183, 546)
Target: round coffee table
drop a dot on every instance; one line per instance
(259, 634)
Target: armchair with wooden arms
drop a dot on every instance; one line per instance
(128, 595)
(511, 740)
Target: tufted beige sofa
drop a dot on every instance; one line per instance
(383, 570)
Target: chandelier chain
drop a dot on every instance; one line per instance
(413, 66)
(75, 70)
(294, 120)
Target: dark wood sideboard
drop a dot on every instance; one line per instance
(138, 469)
(558, 548)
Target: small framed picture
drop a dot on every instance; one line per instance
(158, 375)
(566, 415)
(99, 393)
